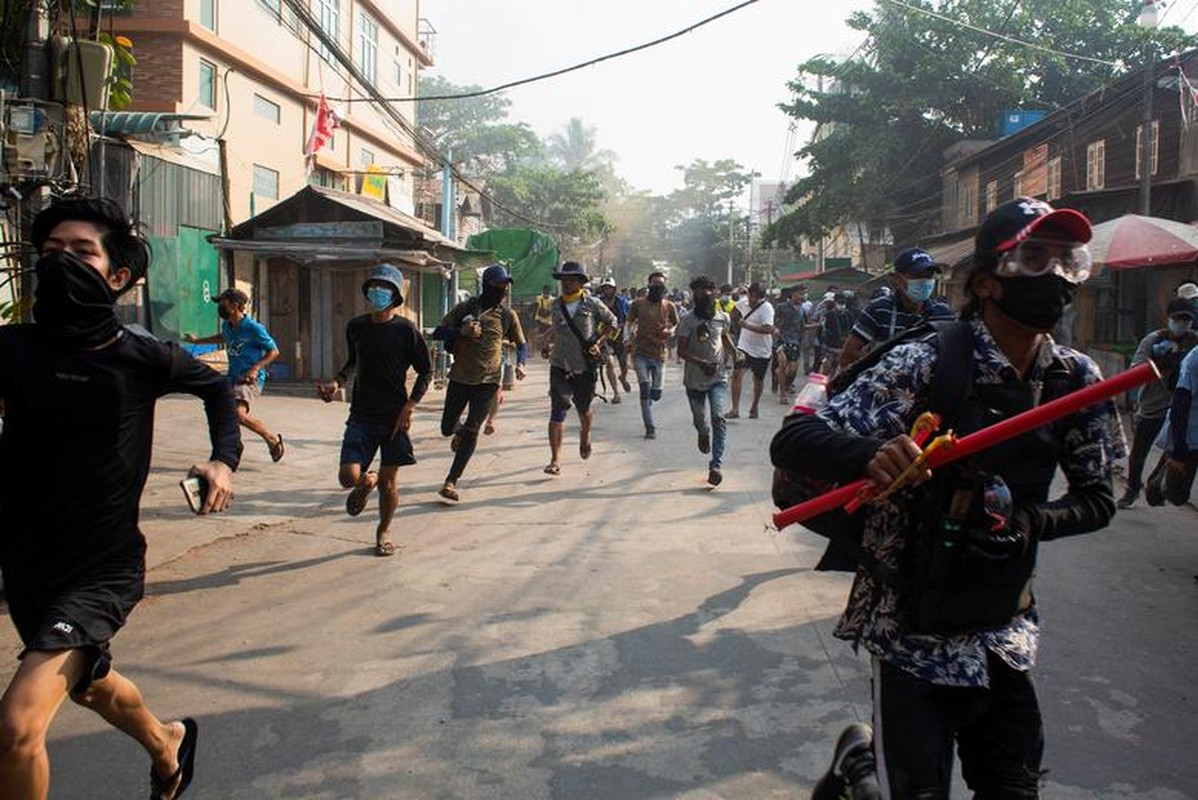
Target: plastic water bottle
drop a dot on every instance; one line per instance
(813, 396)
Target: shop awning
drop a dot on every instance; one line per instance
(323, 227)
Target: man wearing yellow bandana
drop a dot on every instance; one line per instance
(574, 352)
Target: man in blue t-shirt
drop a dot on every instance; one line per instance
(251, 350)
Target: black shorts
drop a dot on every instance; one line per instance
(759, 366)
(84, 615)
(363, 439)
(617, 349)
(565, 387)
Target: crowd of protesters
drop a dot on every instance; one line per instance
(78, 380)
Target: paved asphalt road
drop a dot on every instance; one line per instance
(618, 632)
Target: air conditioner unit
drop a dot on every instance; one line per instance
(80, 71)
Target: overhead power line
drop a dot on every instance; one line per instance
(304, 15)
(556, 72)
(1004, 37)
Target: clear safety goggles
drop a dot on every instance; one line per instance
(1032, 258)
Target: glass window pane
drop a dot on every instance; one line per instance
(266, 182)
(207, 93)
(208, 14)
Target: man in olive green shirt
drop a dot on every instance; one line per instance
(475, 331)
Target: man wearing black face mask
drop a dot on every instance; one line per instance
(953, 647)
(479, 325)
(652, 320)
(79, 383)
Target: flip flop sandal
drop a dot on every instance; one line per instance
(627, 386)
(489, 429)
(456, 441)
(553, 469)
(180, 779)
(357, 499)
(449, 493)
(277, 450)
(384, 548)
(584, 450)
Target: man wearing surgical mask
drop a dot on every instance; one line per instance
(1166, 347)
(909, 304)
(383, 346)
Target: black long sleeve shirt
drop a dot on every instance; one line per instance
(76, 447)
(381, 353)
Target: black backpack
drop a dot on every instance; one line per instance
(949, 388)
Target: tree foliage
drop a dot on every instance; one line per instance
(475, 128)
(920, 83)
(568, 202)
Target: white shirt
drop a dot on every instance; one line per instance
(758, 345)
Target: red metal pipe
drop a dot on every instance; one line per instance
(984, 438)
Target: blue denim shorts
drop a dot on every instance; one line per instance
(364, 439)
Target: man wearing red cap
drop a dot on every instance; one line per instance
(942, 598)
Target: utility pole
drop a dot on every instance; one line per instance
(1148, 21)
(35, 85)
(730, 233)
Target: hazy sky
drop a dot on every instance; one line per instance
(711, 94)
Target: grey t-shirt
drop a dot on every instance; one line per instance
(704, 340)
(588, 314)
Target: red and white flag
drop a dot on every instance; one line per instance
(327, 122)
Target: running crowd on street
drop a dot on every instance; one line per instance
(952, 651)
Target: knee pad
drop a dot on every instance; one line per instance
(644, 390)
(655, 394)
(558, 414)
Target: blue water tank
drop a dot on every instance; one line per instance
(1014, 121)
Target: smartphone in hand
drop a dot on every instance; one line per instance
(195, 489)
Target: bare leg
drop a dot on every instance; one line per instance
(557, 432)
(584, 432)
(119, 702)
(34, 697)
(388, 484)
(30, 703)
(611, 377)
(350, 475)
(738, 381)
(254, 424)
(758, 386)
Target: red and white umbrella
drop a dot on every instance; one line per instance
(1135, 241)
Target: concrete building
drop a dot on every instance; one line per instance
(257, 70)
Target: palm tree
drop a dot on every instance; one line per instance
(576, 148)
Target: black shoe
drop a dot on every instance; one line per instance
(704, 442)
(714, 477)
(650, 433)
(1129, 497)
(853, 773)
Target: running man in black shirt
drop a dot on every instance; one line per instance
(79, 392)
(383, 346)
